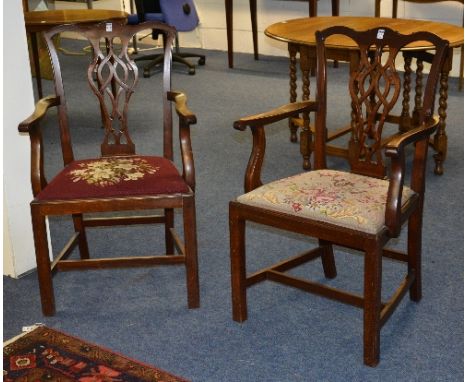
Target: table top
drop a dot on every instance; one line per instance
(40, 20)
(302, 31)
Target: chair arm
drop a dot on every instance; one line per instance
(395, 150)
(400, 141)
(275, 115)
(31, 125)
(186, 118)
(180, 100)
(257, 122)
(39, 112)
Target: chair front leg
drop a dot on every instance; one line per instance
(44, 272)
(238, 270)
(191, 255)
(372, 304)
(414, 252)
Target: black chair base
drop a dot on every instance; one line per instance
(157, 59)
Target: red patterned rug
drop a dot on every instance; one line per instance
(48, 355)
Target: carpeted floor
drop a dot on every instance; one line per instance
(290, 335)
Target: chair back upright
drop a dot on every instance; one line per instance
(374, 87)
(113, 77)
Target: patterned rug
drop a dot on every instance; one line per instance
(44, 354)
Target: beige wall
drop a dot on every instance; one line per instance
(18, 103)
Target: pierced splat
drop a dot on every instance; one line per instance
(113, 77)
(375, 86)
(374, 90)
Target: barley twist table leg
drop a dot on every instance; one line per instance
(292, 88)
(405, 121)
(418, 91)
(306, 134)
(440, 138)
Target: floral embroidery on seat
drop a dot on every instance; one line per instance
(109, 171)
(349, 200)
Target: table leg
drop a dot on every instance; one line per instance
(313, 13)
(312, 8)
(228, 10)
(253, 20)
(335, 12)
(36, 62)
(440, 137)
(306, 133)
(335, 7)
(292, 88)
(134, 38)
(377, 8)
(353, 145)
(405, 121)
(418, 92)
(462, 59)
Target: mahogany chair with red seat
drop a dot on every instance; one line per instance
(362, 209)
(119, 181)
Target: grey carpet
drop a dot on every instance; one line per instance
(290, 335)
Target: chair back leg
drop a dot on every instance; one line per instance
(328, 259)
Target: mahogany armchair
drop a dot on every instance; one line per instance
(144, 189)
(362, 209)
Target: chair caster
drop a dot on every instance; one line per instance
(191, 71)
(201, 61)
(146, 73)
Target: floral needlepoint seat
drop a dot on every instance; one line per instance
(115, 176)
(340, 198)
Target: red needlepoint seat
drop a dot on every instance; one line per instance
(115, 176)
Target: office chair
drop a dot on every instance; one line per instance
(180, 14)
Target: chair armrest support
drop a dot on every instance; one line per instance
(395, 150)
(31, 125)
(275, 115)
(257, 123)
(186, 118)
